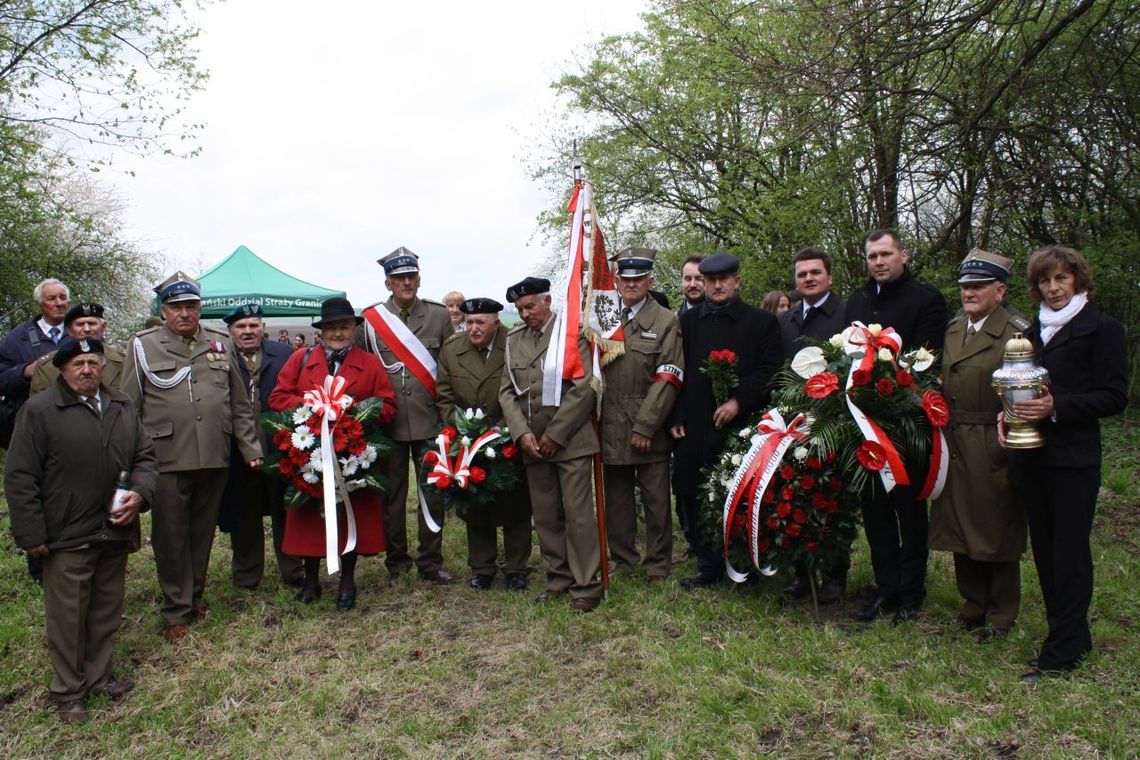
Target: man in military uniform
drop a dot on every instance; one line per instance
(641, 387)
(83, 320)
(249, 494)
(407, 332)
(820, 314)
(896, 523)
(558, 444)
(191, 397)
(977, 517)
(71, 443)
(470, 372)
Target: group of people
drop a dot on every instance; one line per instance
(170, 424)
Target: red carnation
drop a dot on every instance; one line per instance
(885, 387)
(783, 509)
(813, 463)
(811, 547)
(769, 496)
(478, 474)
(821, 385)
(772, 522)
(787, 493)
(726, 355)
(871, 455)
(510, 450)
(793, 530)
(739, 524)
(800, 516)
(787, 472)
(807, 482)
(431, 457)
(936, 408)
(443, 482)
(818, 501)
(861, 377)
(904, 378)
(836, 485)
(832, 505)
(830, 457)
(450, 433)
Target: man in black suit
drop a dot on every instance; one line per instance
(692, 283)
(896, 523)
(699, 422)
(250, 495)
(819, 314)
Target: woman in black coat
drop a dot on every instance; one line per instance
(1085, 353)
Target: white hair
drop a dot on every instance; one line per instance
(38, 293)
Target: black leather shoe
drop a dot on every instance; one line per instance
(1032, 663)
(992, 634)
(799, 588)
(831, 592)
(345, 601)
(516, 582)
(1032, 676)
(703, 579)
(309, 593)
(969, 623)
(481, 582)
(878, 607)
(438, 577)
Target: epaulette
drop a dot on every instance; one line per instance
(148, 331)
(516, 328)
(1020, 322)
(452, 338)
(210, 328)
(45, 358)
(434, 303)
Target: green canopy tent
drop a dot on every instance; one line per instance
(243, 277)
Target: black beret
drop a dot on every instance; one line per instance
(480, 306)
(245, 311)
(70, 347)
(720, 263)
(80, 310)
(531, 286)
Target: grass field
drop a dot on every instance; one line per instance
(418, 671)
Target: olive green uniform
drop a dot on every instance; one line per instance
(641, 387)
(191, 424)
(413, 431)
(561, 488)
(468, 380)
(45, 372)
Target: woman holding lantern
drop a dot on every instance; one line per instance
(1084, 352)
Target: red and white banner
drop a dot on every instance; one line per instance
(330, 401)
(410, 353)
(858, 337)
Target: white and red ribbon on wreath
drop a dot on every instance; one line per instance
(858, 337)
(756, 470)
(455, 470)
(330, 401)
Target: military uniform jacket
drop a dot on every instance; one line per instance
(63, 464)
(634, 399)
(520, 395)
(977, 513)
(416, 415)
(191, 423)
(830, 318)
(45, 372)
(915, 309)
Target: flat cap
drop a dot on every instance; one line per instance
(179, 287)
(80, 310)
(983, 266)
(245, 311)
(531, 286)
(719, 263)
(71, 347)
(400, 261)
(480, 306)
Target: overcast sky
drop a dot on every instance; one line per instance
(338, 131)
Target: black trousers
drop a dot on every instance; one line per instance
(1060, 503)
(896, 526)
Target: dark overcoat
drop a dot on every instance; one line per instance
(830, 318)
(916, 310)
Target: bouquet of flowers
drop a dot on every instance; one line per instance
(720, 368)
(472, 462)
(356, 445)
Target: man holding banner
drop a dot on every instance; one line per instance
(406, 332)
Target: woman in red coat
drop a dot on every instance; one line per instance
(365, 378)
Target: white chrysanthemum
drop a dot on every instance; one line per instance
(349, 465)
(801, 453)
(836, 340)
(309, 476)
(809, 362)
(885, 354)
(922, 360)
(875, 328)
(726, 481)
(479, 414)
(368, 457)
(315, 461)
(465, 441)
(736, 459)
(489, 452)
(301, 414)
(303, 439)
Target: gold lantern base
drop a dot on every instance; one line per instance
(1022, 434)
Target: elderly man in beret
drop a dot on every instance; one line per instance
(407, 332)
(977, 517)
(72, 443)
(558, 443)
(193, 401)
(250, 494)
(641, 386)
(83, 320)
(700, 422)
(470, 372)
